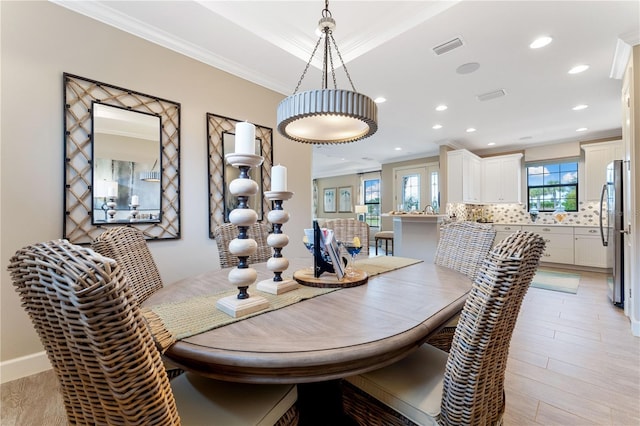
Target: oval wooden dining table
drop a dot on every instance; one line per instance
(319, 340)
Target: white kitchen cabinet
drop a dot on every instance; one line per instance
(502, 179)
(596, 158)
(464, 177)
(503, 231)
(588, 248)
(559, 240)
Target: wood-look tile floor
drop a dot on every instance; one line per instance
(573, 361)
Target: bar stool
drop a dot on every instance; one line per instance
(386, 236)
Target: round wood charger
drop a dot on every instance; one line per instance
(306, 277)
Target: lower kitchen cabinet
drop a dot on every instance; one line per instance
(588, 248)
(566, 244)
(503, 231)
(559, 241)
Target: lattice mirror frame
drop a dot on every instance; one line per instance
(79, 93)
(217, 126)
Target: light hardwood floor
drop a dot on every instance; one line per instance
(573, 361)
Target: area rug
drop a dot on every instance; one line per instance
(556, 281)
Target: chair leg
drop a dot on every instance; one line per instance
(376, 246)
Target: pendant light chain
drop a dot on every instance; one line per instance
(327, 116)
(307, 67)
(329, 39)
(346, 71)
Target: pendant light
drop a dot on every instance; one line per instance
(327, 116)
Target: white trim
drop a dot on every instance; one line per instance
(635, 328)
(620, 60)
(24, 366)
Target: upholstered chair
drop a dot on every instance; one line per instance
(104, 355)
(466, 385)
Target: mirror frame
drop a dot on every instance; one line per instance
(217, 126)
(79, 94)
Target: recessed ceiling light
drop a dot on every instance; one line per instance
(437, 126)
(491, 143)
(380, 100)
(579, 107)
(471, 130)
(441, 107)
(582, 129)
(398, 148)
(540, 42)
(578, 69)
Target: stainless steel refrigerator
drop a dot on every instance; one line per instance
(612, 227)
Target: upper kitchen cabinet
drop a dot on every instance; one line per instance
(464, 177)
(596, 158)
(502, 179)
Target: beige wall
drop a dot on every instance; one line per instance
(387, 182)
(40, 41)
(336, 182)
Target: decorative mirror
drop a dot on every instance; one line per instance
(126, 158)
(121, 161)
(221, 140)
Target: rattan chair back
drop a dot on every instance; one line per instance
(226, 232)
(473, 392)
(128, 247)
(462, 246)
(472, 375)
(346, 229)
(90, 324)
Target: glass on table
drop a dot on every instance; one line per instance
(352, 247)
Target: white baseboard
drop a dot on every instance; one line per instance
(635, 328)
(17, 368)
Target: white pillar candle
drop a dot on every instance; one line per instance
(278, 178)
(245, 138)
(135, 200)
(112, 189)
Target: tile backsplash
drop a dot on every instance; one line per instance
(587, 215)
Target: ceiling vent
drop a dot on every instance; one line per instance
(491, 95)
(448, 46)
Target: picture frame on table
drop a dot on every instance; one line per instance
(329, 200)
(345, 197)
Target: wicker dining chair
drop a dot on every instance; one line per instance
(226, 232)
(462, 246)
(105, 359)
(128, 247)
(346, 229)
(466, 386)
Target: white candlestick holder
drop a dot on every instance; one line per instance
(243, 246)
(133, 214)
(111, 209)
(277, 240)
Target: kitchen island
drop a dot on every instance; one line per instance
(416, 234)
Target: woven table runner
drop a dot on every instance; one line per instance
(170, 322)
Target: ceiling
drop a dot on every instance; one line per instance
(388, 50)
